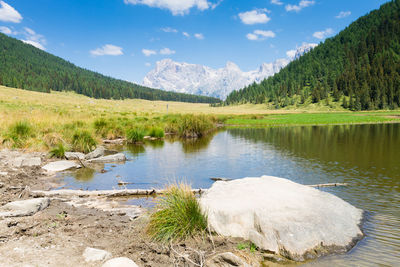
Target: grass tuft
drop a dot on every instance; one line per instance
(58, 151)
(156, 132)
(82, 141)
(178, 216)
(134, 135)
(192, 126)
(18, 133)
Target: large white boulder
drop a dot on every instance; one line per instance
(278, 215)
(95, 254)
(23, 207)
(62, 165)
(98, 152)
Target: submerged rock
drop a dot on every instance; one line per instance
(110, 158)
(226, 259)
(120, 262)
(98, 152)
(94, 254)
(61, 165)
(74, 155)
(24, 207)
(278, 215)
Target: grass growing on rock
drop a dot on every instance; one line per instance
(156, 132)
(178, 216)
(134, 135)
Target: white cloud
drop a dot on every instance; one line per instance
(8, 13)
(7, 30)
(199, 36)
(32, 38)
(148, 52)
(343, 14)
(302, 4)
(147, 64)
(257, 16)
(177, 7)
(186, 34)
(259, 35)
(323, 34)
(169, 29)
(276, 2)
(167, 51)
(107, 50)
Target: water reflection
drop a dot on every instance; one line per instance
(84, 174)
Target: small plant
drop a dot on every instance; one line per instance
(134, 135)
(101, 126)
(247, 245)
(82, 141)
(58, 151)
(156, 132)
(178, 216)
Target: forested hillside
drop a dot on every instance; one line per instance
(361, 63)
(26, 67)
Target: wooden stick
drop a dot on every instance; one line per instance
(310, 185)
(107, 193)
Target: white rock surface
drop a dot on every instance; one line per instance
(94, 254)
(74, 155)
(198, 79)
(120, 262)
(226, 259)
(24, 207)
(110, 158)
(26, 161)
(290, 219)
(98, 152)
(61, 165)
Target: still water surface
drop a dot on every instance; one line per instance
(365, 156)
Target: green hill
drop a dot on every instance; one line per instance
(27, 67)
(360, 67)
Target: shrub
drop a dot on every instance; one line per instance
(83, 141)
(134, 135)
(178, 216)
(156, 132)
(58, 151)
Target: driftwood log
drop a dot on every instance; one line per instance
(106, 193)
(310, 185)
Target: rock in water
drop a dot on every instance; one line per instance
(24, 207)
(110, 158)
(98, 152)
(278, 215)
(74, 155)
(120, 262)
(62, 165)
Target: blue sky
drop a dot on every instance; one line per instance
(124, 38)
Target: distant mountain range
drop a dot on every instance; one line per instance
(202, 80)
(27, 67)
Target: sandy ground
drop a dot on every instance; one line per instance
(58, 235)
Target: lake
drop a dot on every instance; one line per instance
(365, 156)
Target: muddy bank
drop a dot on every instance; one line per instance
(59, 234)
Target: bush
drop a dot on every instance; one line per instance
(178, 216)
(82, 141)
(58, 151)
(101, 126)
(156, 132)
(134, 135)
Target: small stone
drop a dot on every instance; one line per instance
(110, 158)
(3, 173)
(74, 155)
(24, 207)
(227, 259)
(98, 152)
(30, 162)
(120, 262)
(94, 254)
(61, 165)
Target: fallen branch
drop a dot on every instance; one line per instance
(310, 185)
(106, 193)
